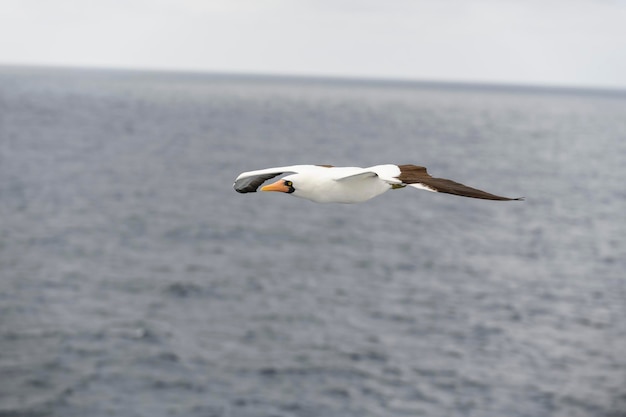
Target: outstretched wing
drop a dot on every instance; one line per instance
(418, 177)
(249, 182)
(358, 173)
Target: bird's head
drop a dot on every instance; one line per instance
(283, 185)
(303, 185)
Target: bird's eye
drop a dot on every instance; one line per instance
(288, 183)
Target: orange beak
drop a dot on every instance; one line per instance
(277, 186)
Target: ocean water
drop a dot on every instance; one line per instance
(134, 281)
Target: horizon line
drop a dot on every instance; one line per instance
(339, 78)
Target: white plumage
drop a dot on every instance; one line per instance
(328, 184)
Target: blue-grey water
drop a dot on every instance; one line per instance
(135, 282)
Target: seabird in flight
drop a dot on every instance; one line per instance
(329, 184)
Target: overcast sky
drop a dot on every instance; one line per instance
(575, 42)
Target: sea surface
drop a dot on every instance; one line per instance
(134, 281)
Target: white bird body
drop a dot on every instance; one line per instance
(327, 184)
(340, 185)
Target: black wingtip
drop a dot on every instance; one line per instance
(251, 184)
(244, 190)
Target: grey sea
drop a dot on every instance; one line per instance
(134, 281)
